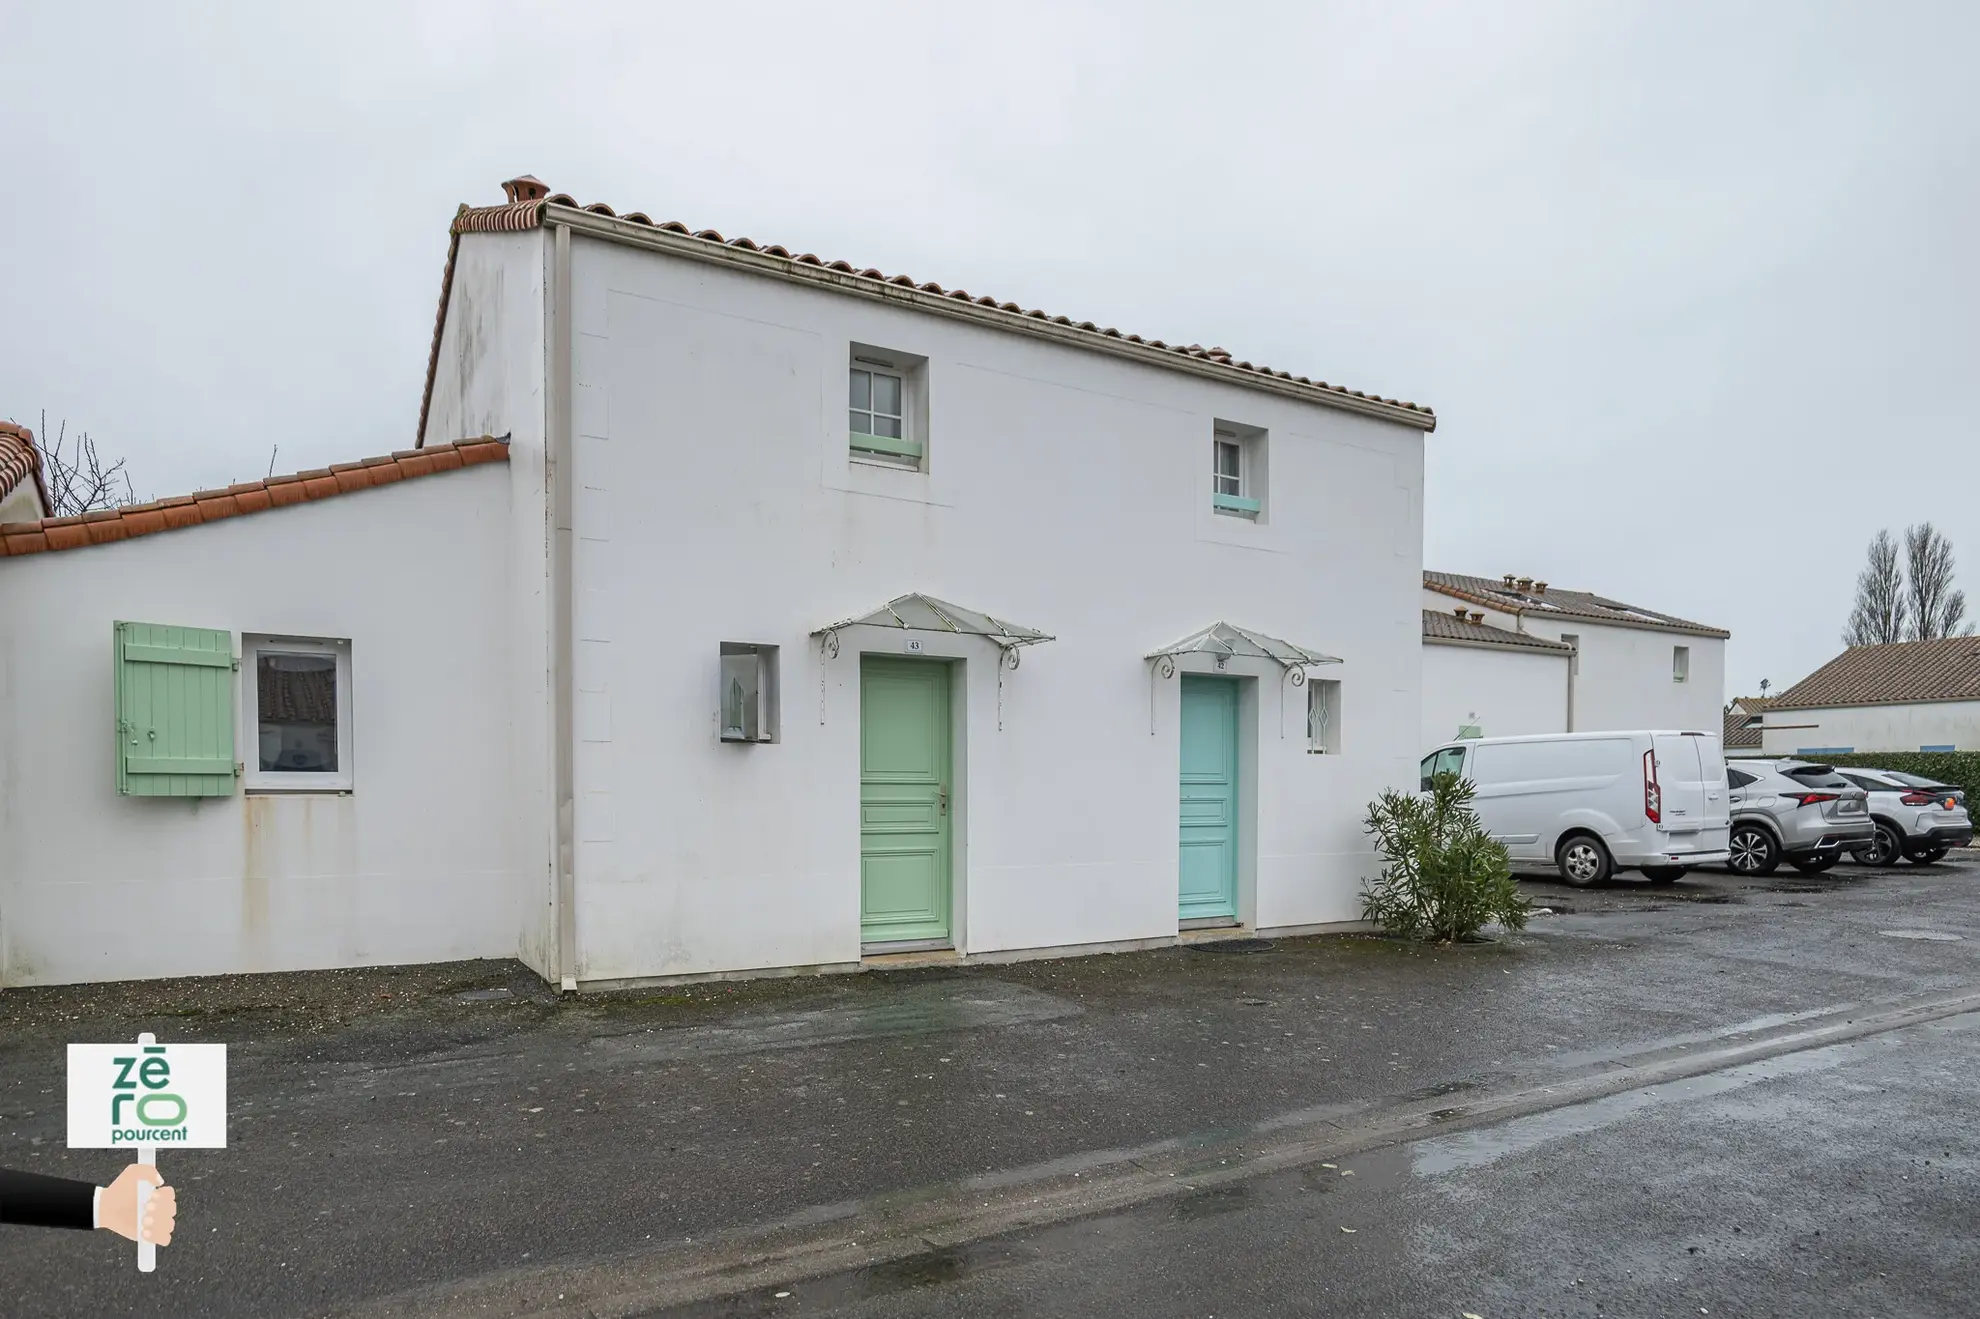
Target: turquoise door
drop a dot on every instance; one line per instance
(904, 778)
(1209, 798)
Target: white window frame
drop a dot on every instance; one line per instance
(907, 371)
(1245, 444)
(1680, 664)
(1323, 703)
(253, 777)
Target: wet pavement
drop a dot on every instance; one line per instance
(468, 1125)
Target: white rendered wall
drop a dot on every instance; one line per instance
(1510, 692)
(490, 380)
(414, 865)
(1066, 491)
(1624, 680)
(1874, 728)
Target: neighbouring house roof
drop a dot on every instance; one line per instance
(1735, 735)
(297, 695)
(1903, 672)
(19, 460)
(1450, 630)
(1526, 596)
(532, 205)
(192, 510)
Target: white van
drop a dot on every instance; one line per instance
(1591, 804)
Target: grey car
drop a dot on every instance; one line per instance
(1915, 818)
(1793, 811)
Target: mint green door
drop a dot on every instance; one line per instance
(1209, 867)
(904, 780)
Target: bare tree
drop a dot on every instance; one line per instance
(1881, 610)
(1936, 606)
(78, 479)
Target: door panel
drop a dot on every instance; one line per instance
(1209, 811)
(904, 779)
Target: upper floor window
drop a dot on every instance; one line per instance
(883, 407)
(1237, 470)
(1680, 663)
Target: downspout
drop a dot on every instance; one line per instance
(561, 475)
(1574, 662)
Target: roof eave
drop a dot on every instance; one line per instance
(1553, 652)
(652, 238)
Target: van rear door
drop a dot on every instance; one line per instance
(1680, 781)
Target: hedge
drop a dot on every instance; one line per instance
(1959, 768)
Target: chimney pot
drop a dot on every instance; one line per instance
(1459, 611)
(1477, 617)
(526, 188)
(1540, 588)
(1509, 579)
(1526, 583)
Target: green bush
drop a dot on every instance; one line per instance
(1442, 877)
(1959, 768)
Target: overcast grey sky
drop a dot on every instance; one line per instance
(1692, 287)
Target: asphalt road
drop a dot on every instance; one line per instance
(1838, 1181)
(400, 1146)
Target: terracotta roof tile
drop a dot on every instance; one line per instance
(1441, 628)
(1539, 599)
(19, 460)
(1906, 671)
(106, 525)
(529, 204)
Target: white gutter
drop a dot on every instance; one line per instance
(615, 230)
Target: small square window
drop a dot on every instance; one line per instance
(883, 413)
(748, 692)
(298, 714)
(1237, 471)
(1323, 716)
(1680, 663)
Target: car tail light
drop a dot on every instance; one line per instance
(1812, 798)
(1653, 796)
(1920, 799)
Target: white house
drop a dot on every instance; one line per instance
(1629, 667)
(1477, 676)
(1908, 696)
(801, 616)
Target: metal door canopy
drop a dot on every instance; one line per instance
(924, 613)
(1239, 643)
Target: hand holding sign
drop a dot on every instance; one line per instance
(118, 1209)
(140, 1097)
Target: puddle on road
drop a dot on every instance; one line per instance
(1934, 936)
(1474, 1149)
(916, 1010)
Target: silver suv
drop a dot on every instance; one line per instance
(1915, 818)
(1790, 810)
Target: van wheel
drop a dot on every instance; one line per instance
(1754, 851)
(1664, 874)
(1583, 860)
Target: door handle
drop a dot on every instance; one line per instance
(943, 793)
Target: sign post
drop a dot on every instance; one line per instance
(141, 1096)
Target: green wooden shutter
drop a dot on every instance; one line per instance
(175, 711)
